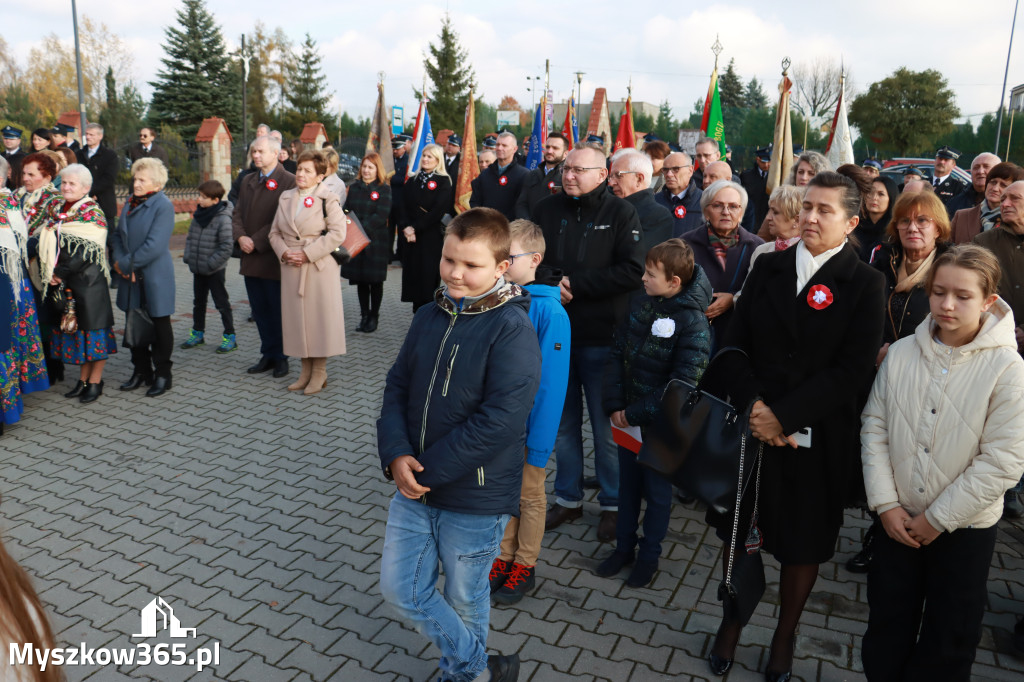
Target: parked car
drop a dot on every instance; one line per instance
(894, 168)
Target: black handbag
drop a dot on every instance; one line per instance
(139, 330)
(695, 441)
(741, 590)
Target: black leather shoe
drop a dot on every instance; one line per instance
(263, 365)
(557, 515)
(371, 324)
(861, 561)
(615, 562)
(91, 393)
(362, 323)
(606, 527)
(719, 665)
(138, 379)
(281, 368)
(160, 386)
(503, 668)
(77, 390)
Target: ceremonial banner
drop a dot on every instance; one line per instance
(711, 122)
(782, 145)
(420, 139)
(380, 134)
(535, 155)
(469, 167)
(571, 127)
(840, 142)
(626, 137)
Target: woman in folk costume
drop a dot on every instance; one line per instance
(22, 366)
(72, 255)
(37, 192)
(308, 226)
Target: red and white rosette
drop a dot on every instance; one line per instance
(503, 180)
(271, 184)
(680, 211)
(819, 297)
(432, 185)
(551, 186)
(374, 195)
(308, 202)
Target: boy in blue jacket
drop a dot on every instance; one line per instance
(665, 336)
(451, 434)
(513, 573)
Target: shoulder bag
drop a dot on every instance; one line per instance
(355, 237)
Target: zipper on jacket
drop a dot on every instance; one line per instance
(451, 366)
(480, 477)
(433, 377)
(561, 241)
(583, 242)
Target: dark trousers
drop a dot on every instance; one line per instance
(202, 285)
(639, 484)
(265, 301)
(939, 589)
(155, 359)
(370, 296)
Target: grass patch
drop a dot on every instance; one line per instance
(181, 226)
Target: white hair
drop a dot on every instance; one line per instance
(715, 187)
(637, 162)
(95, 126)
(79, 172)
(506, 133)
(273, 144)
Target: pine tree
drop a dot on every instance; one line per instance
(121, 118)
(666, 127)
(308, 95)
(197, 80)
(448, 68)
(754, 96)
(730, 87)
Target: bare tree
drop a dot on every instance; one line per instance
(816, 86)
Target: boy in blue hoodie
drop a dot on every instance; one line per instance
(451, 434)
(513, 573)
(665, 336)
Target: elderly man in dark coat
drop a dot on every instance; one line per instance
(250, 224)
(148, 147)
(102, 163)
(681, 193)
(498, 187)
(630, 179)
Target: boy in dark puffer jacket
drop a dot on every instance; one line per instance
(207, 251)
(665, 336)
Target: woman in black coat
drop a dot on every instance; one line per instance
(875, 217)
(810, 320)
(369, 198)
(425, 198)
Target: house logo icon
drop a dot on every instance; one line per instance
(158, 615)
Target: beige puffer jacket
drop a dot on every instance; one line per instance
(942, 432)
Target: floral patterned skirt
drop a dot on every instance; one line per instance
(23, 367)
(82, 346)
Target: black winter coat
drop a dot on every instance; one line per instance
(104, 166)
(499, 190)
(372, 205)
(458, 397)
(89, 287)
(536, 186)
(424, 204)
(642, 363)
(813, 368)
(904, 310)
(686, 214)
(757, 194)
(655, 220)
(597, 241)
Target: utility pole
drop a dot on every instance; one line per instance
(245, 82)
(1002, 94)
(78, 68)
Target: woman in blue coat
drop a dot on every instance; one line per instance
(141, 252)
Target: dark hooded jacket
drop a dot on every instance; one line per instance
(644, 359)
(870, 234)
(458, 397)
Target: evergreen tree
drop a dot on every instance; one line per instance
(754, 96)
(308, 94)
(666, 127)
(197, 80)
(730, 87)
(449, 71)
(121, 118)
(19, 110)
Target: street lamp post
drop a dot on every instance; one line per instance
(78, 68)
(533, 91)
(1002, 94)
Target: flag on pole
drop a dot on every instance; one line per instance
(711, 121)
(782, 145)
(626, 136)
(571, 127)
(379, 139)
(420, 139)
(469, 167)
(840, 143)
(535, 155)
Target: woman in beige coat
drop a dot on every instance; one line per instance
(308, 226)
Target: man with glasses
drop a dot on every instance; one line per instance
(630, 179)
(498, 187)
(681, 193)
(596, 240)
(146, 147)
(545, 179)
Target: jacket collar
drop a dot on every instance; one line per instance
(499, 295)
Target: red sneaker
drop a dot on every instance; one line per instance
(521, 579)
(499, 574)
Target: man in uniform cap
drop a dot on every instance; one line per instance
(595, 139)
(872, 168)
(13, 153)
(400, 146)
(910, 173)
(755, 181)
(60, 137)
(945, 183)
(451, 156)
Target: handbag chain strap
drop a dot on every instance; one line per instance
(736, 513)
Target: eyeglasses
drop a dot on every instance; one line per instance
(579, 170)
(512, 256)
(921, 222)
(619, 174)
(722, 208)
(671, 170)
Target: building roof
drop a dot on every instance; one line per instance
(209, 128)
(310, 132)
(594, 123)
(71, 118)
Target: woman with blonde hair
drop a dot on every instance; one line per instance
(806, 167)
(308, 226)
(425, 198)
(331, 180)
(369, 198)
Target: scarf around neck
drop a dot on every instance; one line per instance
(135, 201)
(721, 244)
(203, 215)
(989, 216)
(905, 281)
(78, 229)
(13, 240)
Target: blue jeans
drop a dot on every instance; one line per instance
(586, 374)
(417, 537)
(637, 484)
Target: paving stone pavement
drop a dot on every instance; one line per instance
(258, 516)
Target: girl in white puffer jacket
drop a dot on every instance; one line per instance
(942, 441)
